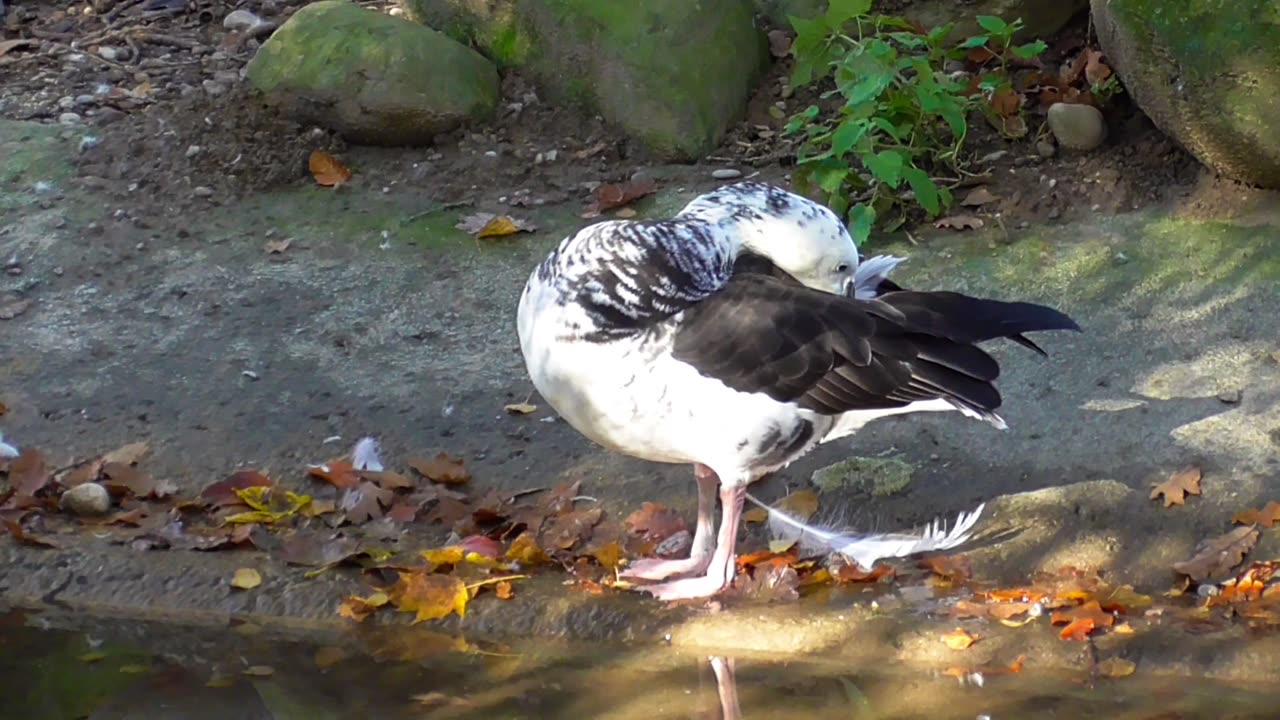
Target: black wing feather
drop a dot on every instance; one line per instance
(764, 332)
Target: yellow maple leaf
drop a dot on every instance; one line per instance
(524, 549)
(246, 579)
(430, 596)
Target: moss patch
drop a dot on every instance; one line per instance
(673, 74)
(878, 476)
(1207, 72)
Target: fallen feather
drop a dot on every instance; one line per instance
(7, 450)
(365, 455)
(867, 549)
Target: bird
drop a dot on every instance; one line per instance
(738, 335)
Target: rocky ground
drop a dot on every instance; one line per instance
(174, 276)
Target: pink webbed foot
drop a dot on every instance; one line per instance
(703, 586)
(655, 569)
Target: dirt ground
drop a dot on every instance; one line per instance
(185, 133)
(136, 237)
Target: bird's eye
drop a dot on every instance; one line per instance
(842, 268)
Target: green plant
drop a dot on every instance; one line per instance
(1106, 89)
(899, 114)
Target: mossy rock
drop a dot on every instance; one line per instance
(1040, 18)
(1207, 73)
(674, 74)
(376, 79)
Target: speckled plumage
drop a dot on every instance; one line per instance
(740, 334)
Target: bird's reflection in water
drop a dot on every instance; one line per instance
(726, 687)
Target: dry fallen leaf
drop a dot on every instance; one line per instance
(769, 582)
(960, 222)
(223, 492)
(655, 522)
(275, 247)
(128, 455)
(339, 473)
(948, 568)
(442, 469)
(246, 579)
(486, 225)
(1266, 517)
(801, 504)
(614, 195)
(431, 597)
(503, 590)
(1082, 620)
(259, 671)
(1095, 71)
(327, 169)
(978, 196)
(364, 502)
(519, 408)
(28, 473)
(1216, 557)
(1006, 102)
(755, 515)
(22, 536)
(358, 608)
(959, 639)
(1116, 667)
(1178, 486)
(526, 551)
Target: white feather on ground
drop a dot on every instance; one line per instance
(867, 549)
(7, 450)
(365, 455)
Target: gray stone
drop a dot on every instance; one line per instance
(1077, 127)
(1206, 73)
(673, 74)
(375, 79)
(726, 173)
(86, 499)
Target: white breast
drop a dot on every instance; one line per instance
(633, 397)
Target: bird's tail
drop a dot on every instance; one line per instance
(958, 317)
(867, 549)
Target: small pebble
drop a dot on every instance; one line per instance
(240, 20)
(69, 118)
(66, 103)
(202, 191)
(1046, 149)
(213, 88)
(726, 173)
(1231, 397)
(106, 52)
(992, 157)
(86, 499)
(192, 151)
(1077, 127)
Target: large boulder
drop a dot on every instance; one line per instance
(376, 79)
(1041, 18)
(1207, 73)
(674, 74)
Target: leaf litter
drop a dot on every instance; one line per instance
(500, 538)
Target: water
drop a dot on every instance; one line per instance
(55, 665)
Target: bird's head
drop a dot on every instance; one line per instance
(796, 234)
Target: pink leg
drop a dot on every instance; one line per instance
(720, 572)
(700, 551)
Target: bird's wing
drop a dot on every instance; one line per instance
(832, 354)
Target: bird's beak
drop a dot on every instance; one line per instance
(849, 288)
